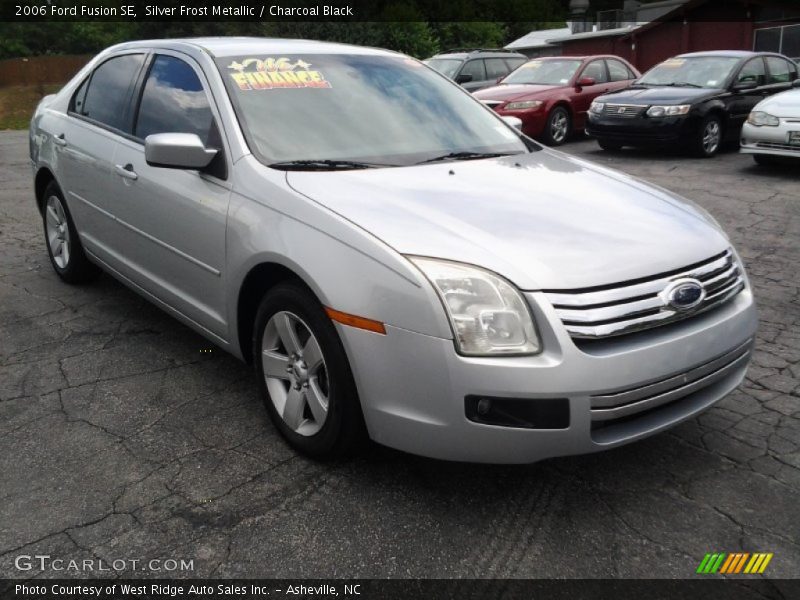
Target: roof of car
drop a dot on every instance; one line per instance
(728, 53)
(239, 46)
(483, 53)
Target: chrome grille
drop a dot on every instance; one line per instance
(615, 310)
(776, 146)
(623, 110)
(616, 405)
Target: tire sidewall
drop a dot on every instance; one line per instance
(699, 148)
(548, 137)
(342, 427)
(70, 271)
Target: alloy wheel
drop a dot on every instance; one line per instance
(57, 231)
(559, 127)
(295, 373)
(711, 137)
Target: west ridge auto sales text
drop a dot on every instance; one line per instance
(174, 590)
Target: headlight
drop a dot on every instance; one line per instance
(668, 111)
(762, 119)
(528, 104)
(488, 315)
(597, 107)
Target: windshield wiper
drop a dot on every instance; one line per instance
(466, 156)
(683, 84)
(324, 165)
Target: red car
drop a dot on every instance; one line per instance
(552, 94)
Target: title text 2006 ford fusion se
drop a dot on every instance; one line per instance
(395, 260)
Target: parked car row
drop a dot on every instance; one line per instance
(696, 102)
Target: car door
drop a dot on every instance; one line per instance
(742, 101)
(86, 137)
(583, 96)
(475, 71)
(174, 220)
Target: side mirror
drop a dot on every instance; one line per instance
(464, 78)
(586, 82)
(499, 79)
(742, 86)
(177, 151)
(515, 122)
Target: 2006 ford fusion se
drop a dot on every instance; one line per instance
(394, 259)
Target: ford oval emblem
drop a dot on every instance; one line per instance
(684, 294)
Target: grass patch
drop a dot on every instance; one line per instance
(17, 103)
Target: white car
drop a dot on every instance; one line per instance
(773, 128)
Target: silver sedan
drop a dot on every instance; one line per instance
(773, 127)
(394, 260)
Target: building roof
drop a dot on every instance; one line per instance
(538, 39)
(595, 34)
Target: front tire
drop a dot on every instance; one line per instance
(558, 127)
(63, 243)
(304, 376)
(709, 138)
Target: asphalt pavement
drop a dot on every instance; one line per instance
(124, 436)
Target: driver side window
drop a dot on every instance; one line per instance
(753, 71)
(596, 70)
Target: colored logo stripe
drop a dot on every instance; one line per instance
(734, 563)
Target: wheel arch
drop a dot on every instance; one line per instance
(44, 176)
(261, 278)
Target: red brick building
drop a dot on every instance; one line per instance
(697, 25)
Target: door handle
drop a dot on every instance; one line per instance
(60, 140)
(127, 171)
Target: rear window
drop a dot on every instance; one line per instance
(109, 91)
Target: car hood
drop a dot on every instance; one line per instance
(513, 91)
(785, 104)
(543, 220)
(660, 95)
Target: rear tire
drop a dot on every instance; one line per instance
(610, 146)
(61, 238)
(558, 127)
(304, 376)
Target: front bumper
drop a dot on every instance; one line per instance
(773, 141)
(533, 121)
(413, 387)
(642, 130)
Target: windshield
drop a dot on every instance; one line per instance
(544, 72)
(445, 66)
(381, 110)
(698, 71)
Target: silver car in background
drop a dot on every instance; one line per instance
(773, 127)
(394, 260)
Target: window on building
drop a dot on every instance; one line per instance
(783, 40)
(109, 91)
